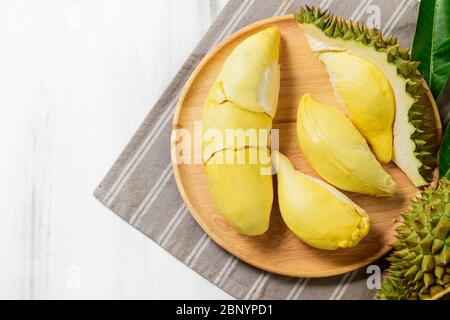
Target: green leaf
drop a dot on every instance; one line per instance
(432, 43)
(444, 104)
(444, 155)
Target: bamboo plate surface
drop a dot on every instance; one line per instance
(278, 250)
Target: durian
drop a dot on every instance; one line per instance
(338, 151)
(415, 135)
(420, 263)
(241, 185)
(367, 95)
(226, 126)
(250, 77)
(237, 118)
(316, 212)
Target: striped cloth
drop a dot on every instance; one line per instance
(141, 189)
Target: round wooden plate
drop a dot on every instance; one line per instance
(278, 250)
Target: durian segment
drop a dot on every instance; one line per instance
(415, 139)
(241, 185)
(338, 151)
(367, 95)
(316, 212)
(226, 126)
(420, 263)
(240, 105)
(250, 76)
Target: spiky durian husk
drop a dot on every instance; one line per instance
(420, 116)
(420, 264)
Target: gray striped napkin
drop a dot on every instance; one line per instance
(141, 189)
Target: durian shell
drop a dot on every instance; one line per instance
(428, 127)
(420, 262)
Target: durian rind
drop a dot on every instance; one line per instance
(420, 263)
(415, 139)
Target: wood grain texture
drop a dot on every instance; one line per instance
(78, 77)
(278, 250)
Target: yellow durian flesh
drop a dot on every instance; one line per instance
(241, 185)
(316, 212)
(404, 146)
(367, 95)
(226, 126)
(241, 104)
(338, 151)
(250, 76)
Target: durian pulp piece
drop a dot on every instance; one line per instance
(367, 95)
(241, 185)
(415, 142)
(250, 77)
(226, 126)
(316, 212)
(338, 151)
(241, 105)
(420, 262)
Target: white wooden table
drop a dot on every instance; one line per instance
(76, 79)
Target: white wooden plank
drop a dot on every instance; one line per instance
(77, 79)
